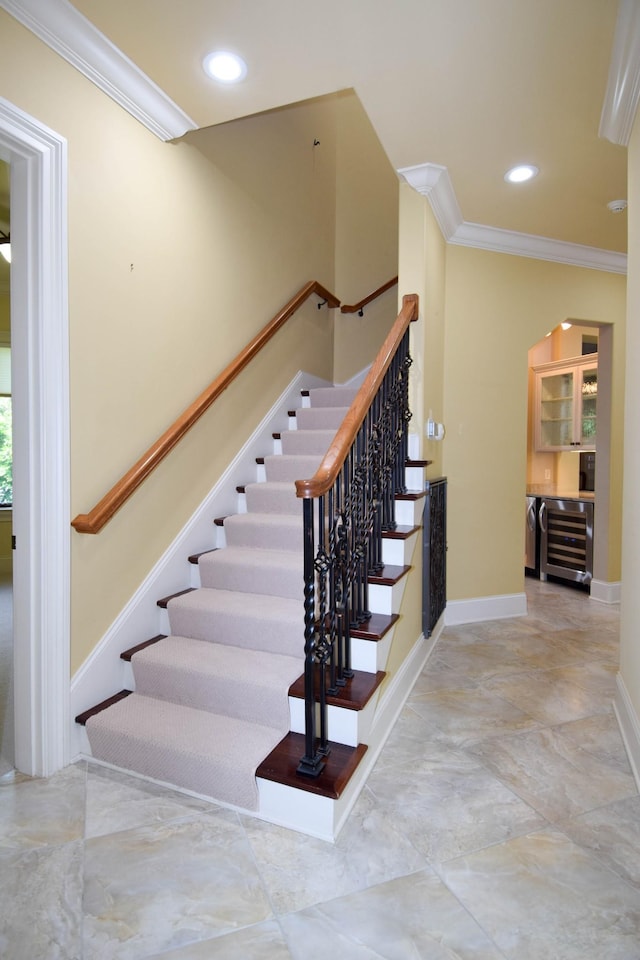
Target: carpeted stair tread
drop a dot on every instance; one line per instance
(301, 442)
(272, 496)
(264, 531)
(291, 466)
(248, 684)
(253, 621)
(253, 570)
(320, 418)
(209, 754)
(332, 396)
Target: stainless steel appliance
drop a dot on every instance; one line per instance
(566, 545)
(532, 539)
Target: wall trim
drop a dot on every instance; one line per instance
(41, 508)
(103, 672)
(478, 609)
(629, 724)
(66, 31)
(623, 85)
(605, 591)
(433, 182)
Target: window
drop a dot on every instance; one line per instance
(6, 444)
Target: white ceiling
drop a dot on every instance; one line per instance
(470, 85)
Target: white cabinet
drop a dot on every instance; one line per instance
(566, 394)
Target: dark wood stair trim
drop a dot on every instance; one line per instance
(99, 707)
(355, 694)
(400, 532)
(127, 654)
(411, 495)
(417, 463)
(389, 575)
(375, 627)
(195, 557)
(180, 593)
(281, 766)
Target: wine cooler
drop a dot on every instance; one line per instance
(566, 547)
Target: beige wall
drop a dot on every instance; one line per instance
(366, 238)
(422, 259)
(630, 606)
(497, 307)
(178, 254)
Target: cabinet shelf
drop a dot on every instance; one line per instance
(566, 404)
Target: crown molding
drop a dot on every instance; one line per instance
(433, 181)
(66, 31)
(623, 86)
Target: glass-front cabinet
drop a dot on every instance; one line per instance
(566, 398)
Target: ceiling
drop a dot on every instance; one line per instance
(473, 86)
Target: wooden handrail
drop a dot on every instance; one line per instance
(357, 307)
(95, 520)
(327, 472)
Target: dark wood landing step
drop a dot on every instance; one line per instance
(99, 707)
(355, 694)
(282, 764)
(417, 463)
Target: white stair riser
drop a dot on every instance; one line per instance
(350, 727)
(398, 552)
(386, 599)
(371, 655)
(409, 512)
(414, 478)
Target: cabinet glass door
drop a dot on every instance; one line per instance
(556, 409)
(588, 399)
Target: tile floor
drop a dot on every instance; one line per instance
(501, 821)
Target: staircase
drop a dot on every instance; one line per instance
(217, 705)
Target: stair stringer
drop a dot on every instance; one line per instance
(103, 671)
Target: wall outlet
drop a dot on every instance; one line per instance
(547, 474)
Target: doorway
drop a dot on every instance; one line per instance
(555, 473)
(6, 578)
(41, 510)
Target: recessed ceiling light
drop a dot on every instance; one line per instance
(521, 173)
(224, 66)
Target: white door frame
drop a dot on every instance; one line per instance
(40, 375)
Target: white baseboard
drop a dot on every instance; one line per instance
(629, 724)
(103, 673)
(477, 609)
(605, 591)
(357, 379)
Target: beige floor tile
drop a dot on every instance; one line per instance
(162, 887)
(411, 918)
(556, 777)
(543, 896)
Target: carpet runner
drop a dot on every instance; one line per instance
(211, 699)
